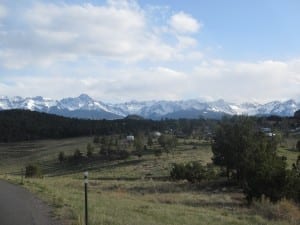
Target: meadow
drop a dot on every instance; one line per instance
(137, 190)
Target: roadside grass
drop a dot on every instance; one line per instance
(134, 191)
(145, 202)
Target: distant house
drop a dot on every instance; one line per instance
(270, 134)
(265, 130)
(156, 134)
(130, 138)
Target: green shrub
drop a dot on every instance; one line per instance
(33, 171)
(298, 145)
(282, 210)
(77, 155)
(178, 172)
(61, 157)
(157, 152)
(192, 171)
(89, 150)
(96, 140)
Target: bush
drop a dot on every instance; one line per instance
(109, 153)
(96, 140)
(192, 171)
(178, 172)
(266, 177)
(33, 171)
(89, 150)
(77, 155)
(195, 172)
(298, 145)
(61, 157)
(293, 182)
(157, 152)
(282, 210)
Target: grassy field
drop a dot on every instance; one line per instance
(288, 148)
(135, 191)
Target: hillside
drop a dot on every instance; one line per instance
(20, 125)
(23, 125)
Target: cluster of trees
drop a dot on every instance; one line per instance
(192, 171)
(250, 158)
(168, 142)
(22, 125)
(77, 154)
(117, 147)
(110, 151)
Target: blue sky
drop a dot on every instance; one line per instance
(120, 50)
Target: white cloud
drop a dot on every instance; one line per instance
(184, 23)
(115, 52)
(233, 81)
(240, 81)
(185, 42)
(112, 85)
(117, 31)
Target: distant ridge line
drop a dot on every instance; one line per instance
(86, 107)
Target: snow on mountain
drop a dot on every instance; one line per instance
(133, 107)
(85, 106)
(36, 103)
(83, 102)
(4, 103)
(286, 108)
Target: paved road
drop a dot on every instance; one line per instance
(19, 207)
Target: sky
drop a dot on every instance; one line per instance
(123, 50)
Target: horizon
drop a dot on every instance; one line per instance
(125, 50)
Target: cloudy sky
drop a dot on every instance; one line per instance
(119, 50)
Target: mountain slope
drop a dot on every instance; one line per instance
(84, 106)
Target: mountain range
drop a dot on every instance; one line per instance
(85, 107)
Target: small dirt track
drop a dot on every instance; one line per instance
(20, 207)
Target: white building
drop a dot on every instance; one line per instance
(130, 138)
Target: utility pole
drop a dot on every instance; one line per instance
(86, 196)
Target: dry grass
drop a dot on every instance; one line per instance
(284, 210)
(134, 191)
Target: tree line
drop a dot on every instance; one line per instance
(24, 125)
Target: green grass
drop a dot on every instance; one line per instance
(134, 191)
(288, 149)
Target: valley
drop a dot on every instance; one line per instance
(136, 190)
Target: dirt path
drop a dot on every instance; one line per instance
(20, 207)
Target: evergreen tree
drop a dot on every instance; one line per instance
(77, 154)
(298, 145)
(89, 150)
(150, 141)
(251, 157)
(61, 157)
(96, 140)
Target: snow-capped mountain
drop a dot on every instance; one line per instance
(84, 106)
(36, 103)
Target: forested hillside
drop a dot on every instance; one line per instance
(22, 125)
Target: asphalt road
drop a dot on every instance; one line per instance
(20, 207)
